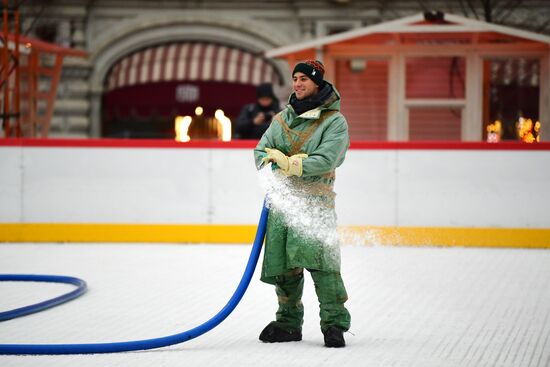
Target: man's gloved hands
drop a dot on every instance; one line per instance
(295, 164)
(276, 156)
(291, 166)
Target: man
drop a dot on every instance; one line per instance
(305, 143)
(254, 118)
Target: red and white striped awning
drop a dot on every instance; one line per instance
(191, 61)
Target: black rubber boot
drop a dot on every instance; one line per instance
(334, 337)
(275, 333)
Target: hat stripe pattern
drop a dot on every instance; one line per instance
(316, 65)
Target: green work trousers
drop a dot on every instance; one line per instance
(331, 294)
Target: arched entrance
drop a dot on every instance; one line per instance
(146, 90)
(143, 32)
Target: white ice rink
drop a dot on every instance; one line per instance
(410, 306)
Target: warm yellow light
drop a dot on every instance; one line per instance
(527, 131)
(28, 45)
(182, 128)
(494, 132)
(199, 110)
(225, 125)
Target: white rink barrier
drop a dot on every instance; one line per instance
(50, 190)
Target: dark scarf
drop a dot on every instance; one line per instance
(323, 96)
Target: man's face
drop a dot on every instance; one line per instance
(303, 86)
(265, 101)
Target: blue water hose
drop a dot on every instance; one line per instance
(37, 307)
(93, 348)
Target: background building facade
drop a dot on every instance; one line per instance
(123, 36)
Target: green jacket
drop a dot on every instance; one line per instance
(326, 145)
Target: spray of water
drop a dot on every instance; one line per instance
(308, 214)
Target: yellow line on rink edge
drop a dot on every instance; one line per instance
(214, 233)
(201, 233)
(448, 236)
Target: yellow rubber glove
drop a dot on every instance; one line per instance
(290, 166)
(295, 164)
(276, 156)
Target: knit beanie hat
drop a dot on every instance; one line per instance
(265, 90)
(313, 69)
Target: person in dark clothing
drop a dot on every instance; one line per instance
(255, 118)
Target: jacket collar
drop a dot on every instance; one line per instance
(311, 114)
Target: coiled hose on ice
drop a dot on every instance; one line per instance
(37, 307)
(138, 344)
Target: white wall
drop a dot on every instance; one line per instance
(457, 188)
(464, 188)
(10, 185)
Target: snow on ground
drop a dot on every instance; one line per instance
(410, 306)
